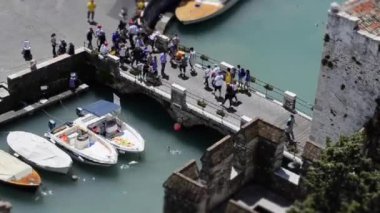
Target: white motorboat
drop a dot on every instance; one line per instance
(17, 173)
(83, 145)
(194, 11)
(101, 118)
(39, 152)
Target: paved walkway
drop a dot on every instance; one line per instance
(253, 106)
(36, 20)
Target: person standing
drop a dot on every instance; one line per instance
(192, 60)
(163, 60)
(155, 66)
(182, 66)
(207, 76)
(53, 41)
(247, 80)
(228, 76)
(91, 6)
(89, 35)
(291, 122)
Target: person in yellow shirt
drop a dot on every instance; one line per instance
(228, 77)
(91, 5)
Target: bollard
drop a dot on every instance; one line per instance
(289, 101)
(33, 65)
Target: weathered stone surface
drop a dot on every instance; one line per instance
(236, 207)
(190, 170)
(347, 89)
(229, 164)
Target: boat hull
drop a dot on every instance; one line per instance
(82, 159)
(30, 182)
(209, 13)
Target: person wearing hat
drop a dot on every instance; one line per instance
(53, 41)
(91, 5)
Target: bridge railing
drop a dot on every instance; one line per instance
(268, 90)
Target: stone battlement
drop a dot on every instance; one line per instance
(253, 154)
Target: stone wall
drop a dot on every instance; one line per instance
(348, 81)
(252, 154)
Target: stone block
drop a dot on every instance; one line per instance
(178, 96)
(289, 101)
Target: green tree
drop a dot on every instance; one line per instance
(342, 180)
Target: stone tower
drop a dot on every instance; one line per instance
(350, 70)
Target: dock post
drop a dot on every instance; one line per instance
(289, 102)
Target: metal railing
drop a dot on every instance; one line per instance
(256, 85)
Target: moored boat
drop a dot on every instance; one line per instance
(17, 173)
(100, 117)
(83, 145)
(194, 11)
(39, 152)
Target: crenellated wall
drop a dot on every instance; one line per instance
(349, 78)
(252, 154)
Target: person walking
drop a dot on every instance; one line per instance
(53, 41)
(291, 121)
(228, 96)
(218, 84)
(163, 60)
(182, 66)
(192, 60)
(91, 6)
(207, 76)
(89, 35)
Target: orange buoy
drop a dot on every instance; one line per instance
(177, 127)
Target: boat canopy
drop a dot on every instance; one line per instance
(12, 168)
(101, 108)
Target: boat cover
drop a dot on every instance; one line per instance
(38, 150)
(101, 108)
(12, 168)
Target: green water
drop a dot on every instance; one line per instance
(279, 40)
(123, 188)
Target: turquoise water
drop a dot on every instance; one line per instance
(280, 41)
(123, 188)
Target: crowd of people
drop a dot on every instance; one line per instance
(136, 47)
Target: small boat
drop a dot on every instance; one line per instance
(39, 152)
(100, 117)
(194, 11)
(17, 173)
(83, 145)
